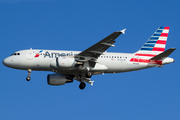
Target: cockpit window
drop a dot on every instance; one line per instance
(15, 54)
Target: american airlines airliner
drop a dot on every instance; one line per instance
(81, 65)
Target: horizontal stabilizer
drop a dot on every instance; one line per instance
(163, 55)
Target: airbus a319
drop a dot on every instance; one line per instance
(81, 65)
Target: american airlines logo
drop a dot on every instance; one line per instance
(38, 54)
(55, 55)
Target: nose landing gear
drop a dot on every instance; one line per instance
(28, 78)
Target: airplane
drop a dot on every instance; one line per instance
(81, 65)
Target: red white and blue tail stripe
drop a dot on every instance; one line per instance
(157, 42)
(155, 45)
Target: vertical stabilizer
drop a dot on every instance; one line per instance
(155, 44)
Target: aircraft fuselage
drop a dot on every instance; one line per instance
(42, 60)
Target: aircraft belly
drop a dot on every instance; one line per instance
(117, 67)
(114, 66)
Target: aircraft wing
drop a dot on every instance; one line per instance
(99, 48)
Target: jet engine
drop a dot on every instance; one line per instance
(65, 62)
(57, 79)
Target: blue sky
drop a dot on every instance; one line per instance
(76, 25)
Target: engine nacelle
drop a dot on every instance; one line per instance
(56, 79)
(65, 62)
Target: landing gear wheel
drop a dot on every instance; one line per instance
(82, 85)
(28, 78)
(88, 74)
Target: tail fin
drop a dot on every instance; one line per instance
(155, 44)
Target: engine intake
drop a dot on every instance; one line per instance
(57, 79)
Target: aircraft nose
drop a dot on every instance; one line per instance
(6, 61)
(11, 62)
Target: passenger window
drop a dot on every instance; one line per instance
(107, 56)
(18, 53)
(112, 56)
(117, 56)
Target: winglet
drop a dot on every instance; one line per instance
(123, 31)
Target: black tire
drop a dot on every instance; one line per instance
(88, 74)
(28, 78)
(82, 85)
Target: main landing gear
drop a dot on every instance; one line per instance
(88, 74)
(85, 78)
(28, 78)
(82, 85)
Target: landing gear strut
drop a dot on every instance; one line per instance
(82, 85)
(28, 78)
